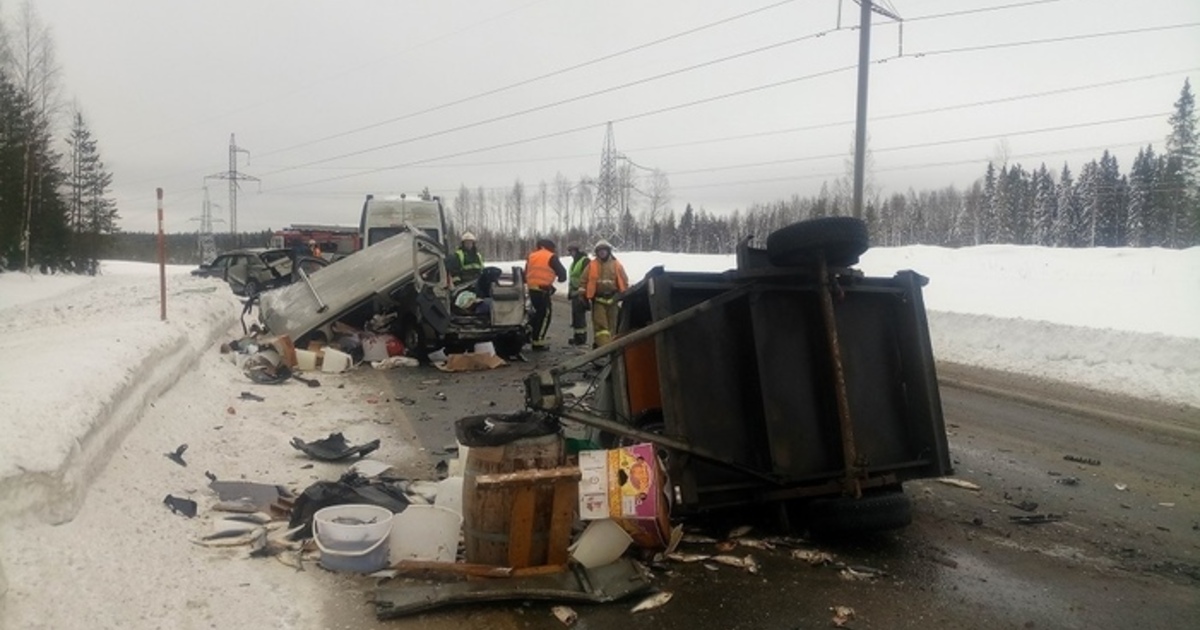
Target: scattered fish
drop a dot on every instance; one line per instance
(738, 532)
(755, 543)
(688, 557)
(788, 541)
(842, 615)
(385, 574)
(656, 600)
(567, 616)
(726, 545)
(748, 563)
(242, 506)
(293, 560)
(959, 483)
(257, 518)
(711, 567)
(177, 455)
(697, 539)
(812, 556)
(851, 575)
(231, 539)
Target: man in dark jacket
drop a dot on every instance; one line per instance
(575, 293)
(542, 268)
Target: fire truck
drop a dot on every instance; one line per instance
(335, 241)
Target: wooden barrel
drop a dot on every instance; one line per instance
(487, 510)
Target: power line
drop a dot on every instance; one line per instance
(1001, 7)
(535, 79)
(558, 103)
(922, 145)
(1052, 40)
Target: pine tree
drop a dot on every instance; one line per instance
(1182, 172)
(1107, 216)
(986, 220)
(1045, 208)
(1083, 232)
(1068, 209)
(1140, 215)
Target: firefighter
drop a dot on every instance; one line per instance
(606, 279)
(314, 250)
(579, 305)
(470, 261)
(542, 268)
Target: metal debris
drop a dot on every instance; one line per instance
(177, 455)
(1082, 460)
(180, 505)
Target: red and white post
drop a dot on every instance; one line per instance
(162, 261)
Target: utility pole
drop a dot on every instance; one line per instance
(234, 177)
(860, 121)
(205, 244)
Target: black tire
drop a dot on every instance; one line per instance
(251, 289)
(875, 512)
(843, 239)
(413, 335)
(509, 346)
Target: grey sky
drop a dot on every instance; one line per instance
(164, 83)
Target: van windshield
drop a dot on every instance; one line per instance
(374, 235)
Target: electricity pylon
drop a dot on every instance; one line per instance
(234, 177)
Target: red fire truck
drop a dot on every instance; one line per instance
(335, 241)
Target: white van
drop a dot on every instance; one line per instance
(387, 216)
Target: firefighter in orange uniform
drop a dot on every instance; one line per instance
(606, 279)
(542, 268)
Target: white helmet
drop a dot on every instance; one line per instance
(603, 244)
(467, 236)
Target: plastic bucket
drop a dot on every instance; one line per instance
(449, 494)
(306, 361)
(485, 347)
(353, 538)
(335, 361)
(600, 544)
(425, 532)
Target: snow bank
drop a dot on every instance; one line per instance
(83, 357)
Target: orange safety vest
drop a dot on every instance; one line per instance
(538, 272)
(618, 283)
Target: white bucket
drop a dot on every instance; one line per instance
(306, 360)
(353, 537)
(335, 361)
(438, 356)
(485, 347)
(425, 532)
(600, 544)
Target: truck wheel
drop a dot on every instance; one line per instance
(509, 346)
(876, 511)
(251, 289)
(413, 336)
(843, 239)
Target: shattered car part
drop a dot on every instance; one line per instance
(179, 505)
(177, 455)
(247, 496)
(333, 448)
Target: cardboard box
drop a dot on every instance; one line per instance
(628, 485)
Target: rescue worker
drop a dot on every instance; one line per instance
(575, 293)
(314, 250)
(470, 261)
(605, 280)
(542, 268)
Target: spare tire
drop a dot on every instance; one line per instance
(843, 239)
(876, 511)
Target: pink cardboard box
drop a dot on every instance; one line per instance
(629, 486)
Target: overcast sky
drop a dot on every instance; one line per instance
(163, 84)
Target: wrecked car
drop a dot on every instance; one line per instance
(251, 271)
(403, 281)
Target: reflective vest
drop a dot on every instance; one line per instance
(469, 261)
(578, 266)
(538, 272)
(605, 279)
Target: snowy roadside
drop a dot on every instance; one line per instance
(84, 359)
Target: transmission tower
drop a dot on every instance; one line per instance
(608, 193)
(205, 243)
(234, 177)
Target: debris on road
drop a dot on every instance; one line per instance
(1026, 506)
(1121, 487)
(841, 615)
(852, 575)
(395, 362)
(252, 396)
(179, 505)
(1036, 519)
(748, 562)
(1067, 481)
(1082, 460)
(333, 448)
(656, 600)
(688, 558)
(959, 483)
(738, 532)
(311, 382)
(565, 614)
(177, 455)
(812, 556)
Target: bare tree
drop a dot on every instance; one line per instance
(658, 198)
(584, 200)
(462, 209)
(515, 204)
(542, 194)
(481, 222)
(562, 202)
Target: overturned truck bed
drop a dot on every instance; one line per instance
(771, 383)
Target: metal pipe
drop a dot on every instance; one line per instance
(849, 448)
(322, 307)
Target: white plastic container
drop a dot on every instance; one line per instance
(600, 544)
(438, 356)
(425, 532)
(353, 538)
(449, 494)
(306, 360)
(335, 361)
(485, 347)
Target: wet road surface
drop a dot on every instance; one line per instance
(1117, 559)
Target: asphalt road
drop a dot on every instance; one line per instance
(1116, 559)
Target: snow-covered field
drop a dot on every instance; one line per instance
(86, 361)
